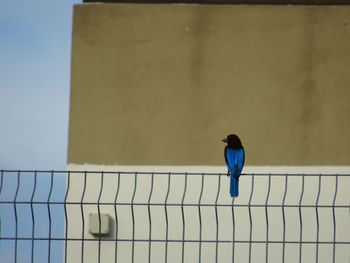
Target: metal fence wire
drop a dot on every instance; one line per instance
(90, 216)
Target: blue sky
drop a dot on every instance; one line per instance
(35, 48)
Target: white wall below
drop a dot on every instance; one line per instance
(215, 222)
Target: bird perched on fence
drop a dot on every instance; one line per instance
(234, 157)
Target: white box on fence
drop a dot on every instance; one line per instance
(94, 224)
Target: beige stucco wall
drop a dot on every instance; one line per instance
(162, 84)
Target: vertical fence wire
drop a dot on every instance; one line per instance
(49, 215)
(116, 219)
(333, 212)
(267, 219)
(99, 217)
(217, 220)
(183, 220)
(167, 219)
(284, 218)
(15, 210)
(301, 218)
(150, 219)
(250, 220)
(33, 217)
(200, 220)
(133, 219)
(66, 217)
(317, 217)
(82, 218)
(1, 184)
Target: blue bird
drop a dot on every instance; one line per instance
(234, 157)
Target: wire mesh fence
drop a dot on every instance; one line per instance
(82, 216)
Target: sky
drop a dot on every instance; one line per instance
(35, 55)
(35, 49)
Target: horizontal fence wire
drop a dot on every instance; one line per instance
(172, 217)
(172, 173)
